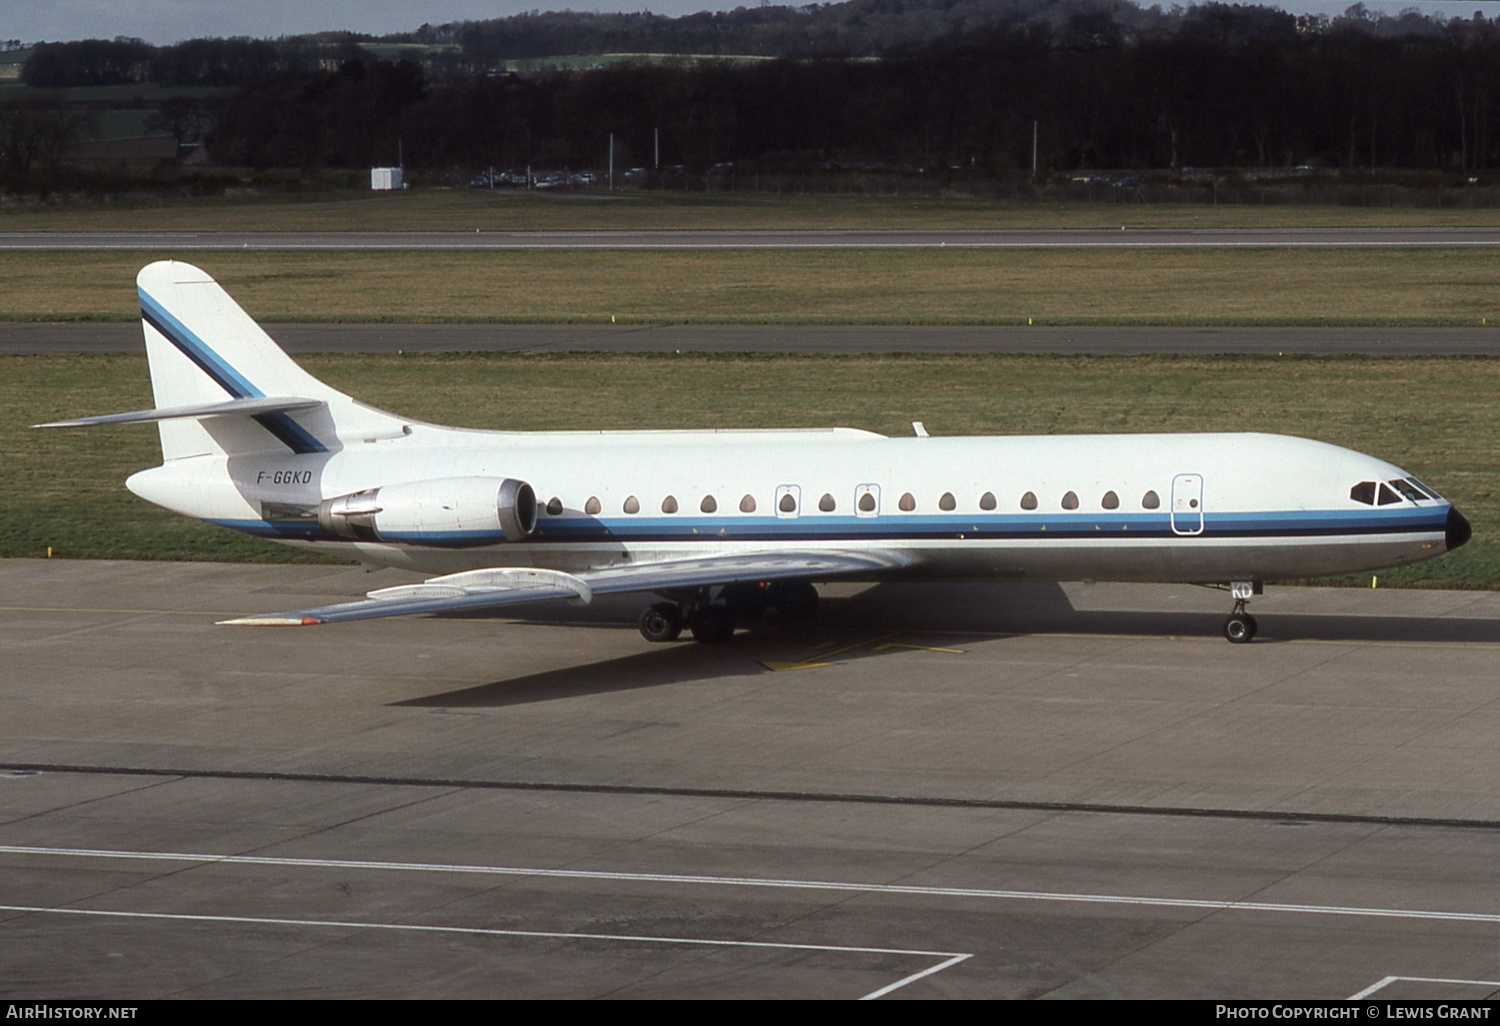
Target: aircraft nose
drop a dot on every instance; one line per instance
(1458, 530)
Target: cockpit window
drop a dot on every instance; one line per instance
(1363, 492)
(1387, 497)
(1410, 491)
(1426, 489)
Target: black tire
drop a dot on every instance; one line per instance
(1239, 628)
(660, 622)
(795, 600)
(746, 601)
(713, 625)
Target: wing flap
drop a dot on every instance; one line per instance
(502, 586)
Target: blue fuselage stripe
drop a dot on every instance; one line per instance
(833, 530)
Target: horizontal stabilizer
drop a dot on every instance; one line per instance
(234, 407)
(503, 586)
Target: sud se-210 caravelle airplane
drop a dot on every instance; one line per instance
(723, 524)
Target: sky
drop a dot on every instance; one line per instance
(169, 21)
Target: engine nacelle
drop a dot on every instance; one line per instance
(447, 512)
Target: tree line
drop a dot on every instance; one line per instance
(1230, 86)
(1214, 85)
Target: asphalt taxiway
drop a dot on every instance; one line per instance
(969, 791)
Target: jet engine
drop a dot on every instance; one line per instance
(445, 512)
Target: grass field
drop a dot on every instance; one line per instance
(449, 209)
(1434, 286)
(1436, 417)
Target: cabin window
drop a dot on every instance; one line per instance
(867, 503)
(788, 503)
(669, 504)
(708, 505)
(1028, 501)
(747, 504)
(632, 504)
(948, 503)
(1150, 500)
(554, 507)
(1387, 497)
(1110, 501)
(592, 507)
(907, 503)
(826, 504)
(1070, 501)
(987, 501)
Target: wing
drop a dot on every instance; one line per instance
(503, 586)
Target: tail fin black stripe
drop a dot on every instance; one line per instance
(289, 433)
(286, 431)
(195, 349)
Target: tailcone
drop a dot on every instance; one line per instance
(1458, 531)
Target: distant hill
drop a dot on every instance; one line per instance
(854, 28)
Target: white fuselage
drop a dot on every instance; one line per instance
(1178, 507)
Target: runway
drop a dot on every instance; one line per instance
(1123, 238)
(971, 791)
(19, 338)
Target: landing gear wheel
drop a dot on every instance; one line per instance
(660, 622)
(713, 625)
(795, 600)
(746, 601)
(1239, 627)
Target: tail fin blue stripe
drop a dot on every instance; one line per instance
(286, 430)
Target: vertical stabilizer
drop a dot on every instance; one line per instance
(202, 348)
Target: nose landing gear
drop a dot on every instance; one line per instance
(1240, 626)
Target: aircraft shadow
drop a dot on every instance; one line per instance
(916, 613)
(655, 666)
(1037, 608)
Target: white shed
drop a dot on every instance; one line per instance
(385, 178)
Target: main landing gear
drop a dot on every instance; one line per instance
(1240, 626)
(712, 622)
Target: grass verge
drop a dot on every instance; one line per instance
(1436, 286)
(1434, 416)
(447, 209)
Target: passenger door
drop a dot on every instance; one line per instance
(1187, 504)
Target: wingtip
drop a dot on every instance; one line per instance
(271, 621)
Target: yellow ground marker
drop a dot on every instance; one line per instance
(877, 644)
